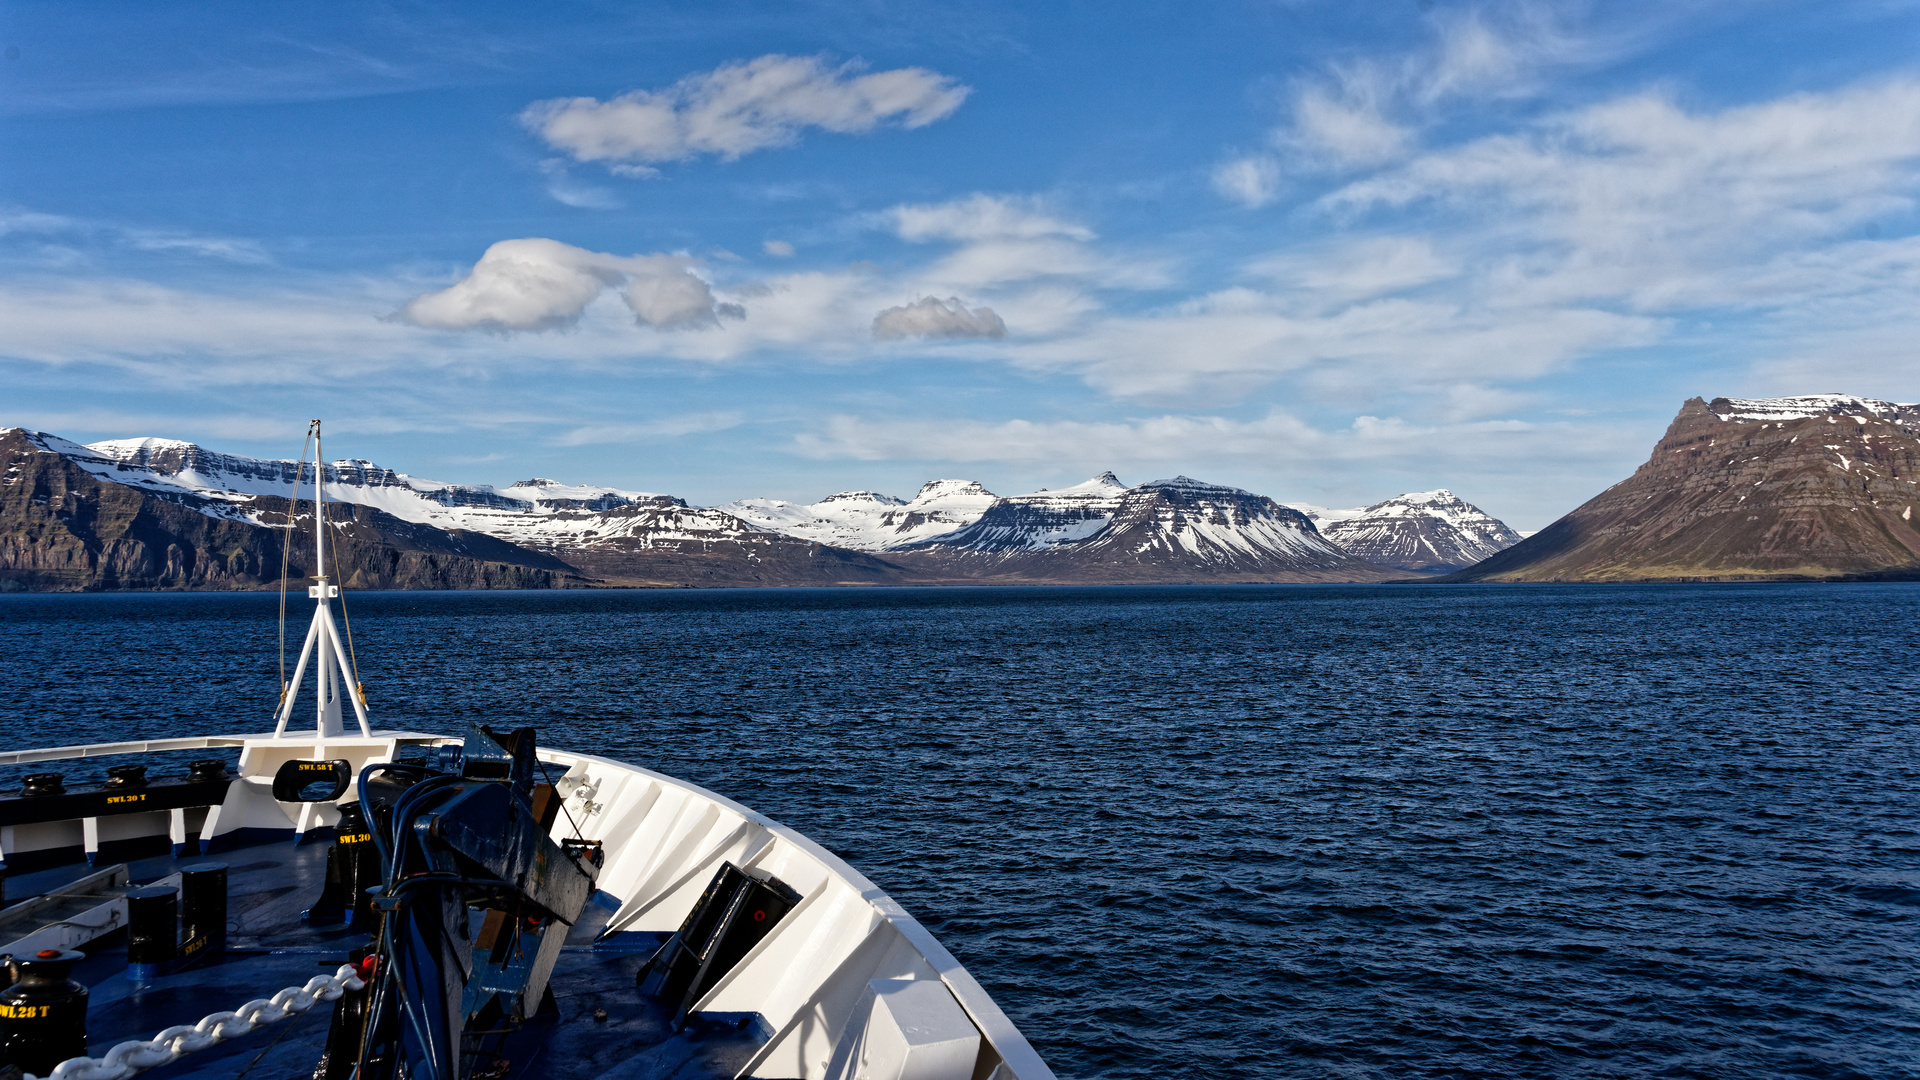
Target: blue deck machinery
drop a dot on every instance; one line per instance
(463, 839)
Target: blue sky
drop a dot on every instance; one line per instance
(1328, 252)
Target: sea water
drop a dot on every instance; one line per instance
(1356, 831)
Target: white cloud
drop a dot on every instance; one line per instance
(1351, 270)
(1279, 455)
(673, 426)
(933, 317)
(779, 249)
(1278, 438)
(564, 188)
(536, 284)
(1472, 57)
(981, 217)
(211, 247)
(1612, 227)
(1250, 181)
(740, 107)
(1348, 129)
(1232, 341)
(63, 321)
(224, 248)
(1364, 113)
(1005, 240)
(1641, 201)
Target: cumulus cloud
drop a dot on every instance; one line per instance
(536, 284)
(933, 317)
(738, 108)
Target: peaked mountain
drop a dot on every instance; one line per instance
(868, 520)
(1167, 531)
(1425, 532)
(1822, 486)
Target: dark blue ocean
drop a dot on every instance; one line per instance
(1662, 831)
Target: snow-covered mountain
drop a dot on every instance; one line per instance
(1426, 532)
(1167, 530)
(538, 513)
(1043, 519)
(951, 530)
(868, 520)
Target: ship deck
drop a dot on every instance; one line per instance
(270, 947)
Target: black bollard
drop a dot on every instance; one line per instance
(43, 1017)
(126, 776)
(34, 785)
(353, 866)
(203, 911)
(153, 933)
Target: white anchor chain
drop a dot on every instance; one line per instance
(177, 1042)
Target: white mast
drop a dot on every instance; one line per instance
(323, 638)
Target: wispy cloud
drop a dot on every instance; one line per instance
(668, 427)
(1468, 452)
(1364, 112)
(56, 227)
(739, 108)
(1639, 201)
(1250, 181)
(567, 189)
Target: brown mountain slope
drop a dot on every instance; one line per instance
(1734, 491)
(63, 529)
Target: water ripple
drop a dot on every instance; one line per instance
(1233, 832)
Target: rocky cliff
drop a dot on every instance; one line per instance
(1780, 488)
(64, 528)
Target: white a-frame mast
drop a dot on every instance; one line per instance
(333, 671)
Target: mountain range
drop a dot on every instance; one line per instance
(1810, 487)
(158, 513)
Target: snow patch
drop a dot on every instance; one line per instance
(869, 520)
(1807, 406)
